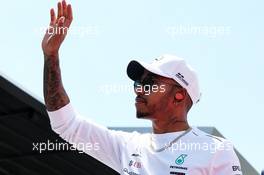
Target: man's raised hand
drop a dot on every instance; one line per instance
(57, 30)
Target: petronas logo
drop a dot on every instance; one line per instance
(180, 159)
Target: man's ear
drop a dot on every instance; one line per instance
(180, 95)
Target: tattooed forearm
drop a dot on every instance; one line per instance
(54, 92)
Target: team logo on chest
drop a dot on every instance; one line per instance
(178, 169)
(180, 159)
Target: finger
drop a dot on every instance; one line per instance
(68, 20)
(64, 7)
(60, 11)
(52, 17)
(69, 12)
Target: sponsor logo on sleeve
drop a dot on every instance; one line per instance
(135, 164)
(135, 155)
(125, 170)
(236, 168)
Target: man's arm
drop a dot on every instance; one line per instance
(86, 136)
(54, 92)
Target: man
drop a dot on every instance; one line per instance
(165, 91)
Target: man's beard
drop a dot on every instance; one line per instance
(142, 114)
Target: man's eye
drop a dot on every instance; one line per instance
(137, 84)
(146, 87)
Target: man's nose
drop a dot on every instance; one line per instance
(139, 90)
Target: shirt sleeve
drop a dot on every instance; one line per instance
(225, 161)
(93, 139)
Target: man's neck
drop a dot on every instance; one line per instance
(163, 127)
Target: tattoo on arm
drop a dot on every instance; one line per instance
(54, 93)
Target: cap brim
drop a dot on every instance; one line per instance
(135, 70)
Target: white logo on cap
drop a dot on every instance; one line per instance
(181, 77)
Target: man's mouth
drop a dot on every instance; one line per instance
(140, 100)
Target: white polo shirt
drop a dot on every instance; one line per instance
(196, 153)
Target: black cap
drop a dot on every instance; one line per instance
(135, 70)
